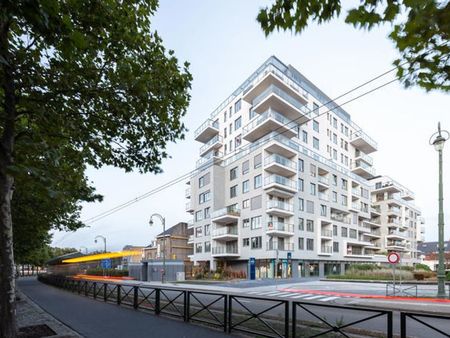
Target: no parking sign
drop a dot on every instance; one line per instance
(393, 258)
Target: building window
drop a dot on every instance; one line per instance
(344, 184)
(334, 154)
(198, 248)
(335, 180)
(233, 173)
(257, 160)
(198, 232)
(323, 210)
(315, 143)
(352, 233)
(257, 181)
(301, 184)
(310, 207)
(245, 204)
(304, 136)
(245, 167)
(334, 138)
(335, 246)
(256, 223)
(312, 189)
(335, 230)
(245, 186)
(237, 123)
(301, 204)
(237, 141)
(207, 229)
(257, 242)
(207, 212)
(225, 132)
(309, 225)
(309, 244)
(301, 224)
(301, 243)
(334, 196)
(334, 122)
(316, 125)
(233, 191)
(343, 232)
(344, 201)
(245, 241)
(204, 180)
(207, 246)
(301, 165)
(316, 109)
(224, 116)
(312, 170)
(199, 215)
(237, 106)
(204, 197)
(245, 222)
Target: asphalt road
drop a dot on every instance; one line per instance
(95, 319)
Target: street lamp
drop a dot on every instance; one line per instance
(163, 221)
(439, 140)
(104, 240)
(85, 249)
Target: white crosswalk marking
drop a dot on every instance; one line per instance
(279, 294)
(288, 295)
(269, 293)
(302, 296)
(328, 299)
(314, 297)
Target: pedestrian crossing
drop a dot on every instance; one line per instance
(294, 295)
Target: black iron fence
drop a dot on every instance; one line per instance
(262, 317)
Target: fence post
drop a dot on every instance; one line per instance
(225, 313)
(119, 299)
(187, 304)
(135, 297)
(79, 286)
(95, 290)
(230, 310)
(86, 293)
(402, 325)
(389, 325)
(105, 288)
(294, 318)
(157, 301)
(286, 319)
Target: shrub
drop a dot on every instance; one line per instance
(448, 276)
(407, 268)
(364, 267)
(419, 275)
(420, 266)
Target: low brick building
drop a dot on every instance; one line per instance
(429, 254)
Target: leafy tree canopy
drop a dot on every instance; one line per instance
(420, 31)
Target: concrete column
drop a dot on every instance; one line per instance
(295, 269)
(307, 269)
(213, 264)
(342, 269)
(321, 269)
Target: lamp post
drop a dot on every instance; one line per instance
(104, 241)
(85, 249)
(163, 221)
(439, 140)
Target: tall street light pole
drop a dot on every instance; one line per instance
(104, 241)
(439, 140)
(163, 221)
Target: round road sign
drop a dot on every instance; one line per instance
(393, 258)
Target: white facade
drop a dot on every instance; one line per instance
(283, 172)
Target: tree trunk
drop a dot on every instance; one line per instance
(8, 327)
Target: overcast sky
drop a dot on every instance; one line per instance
(224, 44)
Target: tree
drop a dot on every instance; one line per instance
(89, 74)
(420, 31)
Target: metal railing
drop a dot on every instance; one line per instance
(420, 318)
(273, 89)
(211, 142)
(269, 114)
(365, 137)
(223, 250)
(275, 158)
(230, 210)
(278, 179)
(280, 226)
(225, 231)
(274, 204)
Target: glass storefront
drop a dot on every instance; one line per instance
(332, 269)
(266, 268)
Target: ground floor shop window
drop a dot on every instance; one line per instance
(332, 269)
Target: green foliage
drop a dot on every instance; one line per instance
(107, 272)
(420, 31)
(420, 266)
(364, 267)
(447, 276)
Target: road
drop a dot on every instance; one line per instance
(94, 319)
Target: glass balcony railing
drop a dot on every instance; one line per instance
(214, 140)
(327, 233)
(209, 157)
(323, 180)
(396, 243)
(231, 210)
(225, 231)
(365, 137)
(323, 196)
(356, 192)
(396, 233)
(281, 180)
(340, 218)
(272, 89)
(206, 124)
(326, 249)
(364, 157)
(365, 166)
(274, 204)
(223, 250)
(269, 114)
(280, 226)
(280, 246)
(275, 158)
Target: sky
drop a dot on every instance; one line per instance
(224, 44)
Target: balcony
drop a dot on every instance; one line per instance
(395, 234)
(355, 206)
(206, 131)
(340, 218)
(276, 143)
(394, 211)
(189, 207)
(387, 186)
(280, 165)
(280, 229)
(356, 192)
(279, 208)
(191, 239)
(323, 196)
(225, 251)
(190, 224)
(280, 100)
(360, 156)
(225, 234)
(213, 157)
(279, 246)
(374, 233)
(213, 144)
(280, 186)
(323, 181)
(375, 210)
(187, 193)
(228, 215)
(267, 122)
(364, 227)
(395, 245)
(326, 233)
(373, 222)
(273, 76)
(326, 250)
(363, 169)
(362, 141)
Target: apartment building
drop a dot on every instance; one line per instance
(283, 179)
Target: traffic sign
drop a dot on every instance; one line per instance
(106, 263)
(393, 258)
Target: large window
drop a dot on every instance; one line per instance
(233, 173)
(343, 232)
(335, 246)
(237, 106)
(246, 241)
(245, 186)
(301, 165)
(256, 222)
(309, 225)
(199, 215)
(257, 161)
(312, 189)
(246, 204)
(301, 184)
(316, 125)
(207, 246)
(315, 143)
(301, 243)
(256, 242)
(301, 224)
(309, 244)
(304, 136)
(198, 232)
(207, 229)
(245, 222)
(257, 181)
(237, 123)
(198, 248)
(207, 212)
(204, 197)
(352, 233)
(323, 210)
(233, 191)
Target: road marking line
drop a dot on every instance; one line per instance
(328, 299)
(269, 293)
(288, 295)
(280, 293)
(314, 297)
(301, 296)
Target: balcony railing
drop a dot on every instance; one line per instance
(280, 246)
(323, 180)
(275, 158)
(364, 157)
(270, 113)
(277, 179)
(222, 250)
(285, 96)
(356, 191)
(209, 158)
(214, 140)
(396, 233)
(365, 137)
(323, 196)
(396, 243)
(327, 233)
(274, 204)
(206, 124)
(187, 193)
(326, 249)
(365, 166)
(225, 231)
(230, 210)
(280, 226)
(340, 218)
